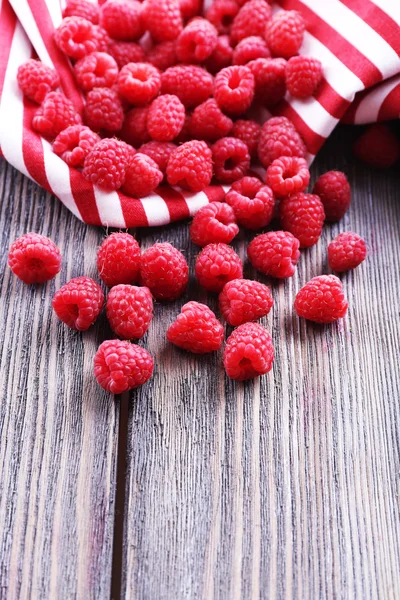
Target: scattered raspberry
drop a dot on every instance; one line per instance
(165, 118)
(221, 14)
(34, 258)
(231, 159)
(197, 41)
(103, 110)
(216, 265)
(192, 84)
(270, 79)
(118, 259)
(76, 37)
(208, 122)
(347, 251)
(222, 55)
(249, 132)
(134, 128)
(122, 20)
(284, 33)
(303, 75)
(253, 203)
(303, 215)
(234, 89)
(248, 352)
(163, 55)
(196, 329)
(98, 69)
(165, 271)
(120, 366)
(36, 80)
(142, 176)
(190, 166)
(275, 253)
(215, 222)
(74, 144)
(278, 138)
(129, 310)
(79, 302)
(250, 48)
(335, 194)
(159, 152)
(55, 114)
(378, 146)
(82, 8)
(321, 300)
(243, 300)
(126, 52)
(250, 20)
(139, 82)
(163, 19)
(105, 165)
(287, 175)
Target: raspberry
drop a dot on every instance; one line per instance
(118, 259)
(74, 144)
(122, 20)
(163, 55)
(270, 79)
(249, 132)
(190, 166)
(234, 89)
(243, 300)
(129, 310)
(303, 75)
(82, 8)
(76, 37)
(190, 8)
(105, 165)
(103, 110)
(197, 41)
(163, 19)
(377, 146)
(275, 253)
(253, 203)
(134, 128)
(79, 302)
(126, 52)
(34, 258)
(278, 138)
(120, 366)
(347, 251)
(221, 14)
(215, 222)
(102, 39)
(284, 33)
(248, 352)
(250, 48)
(287, 175)
(196, 329)
(142, 176)
(231, 159)
(139, 82)
(165, 118)
(192, 84)
(165, 271)
(250, 20)
(321, 300)
(55, 114)
(36, 79)
(222, 55)
(335, 194)
(159, 152)
(208, 122)
(98, 69)
(303, 215)
(185, 135)
(216, 265)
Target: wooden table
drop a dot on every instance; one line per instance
(196, 486)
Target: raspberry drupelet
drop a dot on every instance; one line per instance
(78, 303)
(303, 75)
(34, 258)
(208, 122)
(82, 8)
(163, 19)
(159, 152)
(288, 175)
(275, 253)
(231, 159)
(165, 118)
(74, 143)
(120, 366)
(234, 89)
(334, 191)
(106, 164)
(118, 259)
(97, 69)
(253, 203)
(244, 300)
(214, 223)
(122, 20)
(346, 251)
(278, 138)
(142, 176)
(190, 166)
(303, 215)
(55, 114)
(36, 80)
(250, 48)
(196, 329)
(249, 352)
(216, 265)
(249, 132)
(321, 300)
(129, 310)
(197, 41)
(250, 20)
(103, 110)
(192, 84)
(284, 33)
(269, 79)
(164, 271)
(139, 83)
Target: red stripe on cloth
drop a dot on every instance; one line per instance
(390, 107)
(32, 148)
(215, 193)
(332, 102)
(312, 140)
(133, 211)
(8, 22)
(176, 203)
(84, 197)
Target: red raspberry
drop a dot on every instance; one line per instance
(159, 152)
(34, 258)
(250, 48)
(79, 302)
(142, 176)
(118, 259)
(120, 366)
(197, 41)
(82, 8)
(55, 114)
(303, 215)
(253, 203)
(129, 310)
(231, 159)
(98, 69)
(163, 55)
(234, 89)
(347, 251)
(287, 175)
(36, 80)
(243, 300)
(76, 37)
(102, 39)
(248, 352)
(208, 122)
(250, 20)
(163, 19)
(275, 253)
(190, 166)
(126, 52)
(303, 75)
(74, 144)
(215, 222)
(216, 265)
(122, 20)
(270, 79)
(221, 14)
(105, 165)
(139, 82)
(222, 55)
(249, 132)
(284, 33)
(103, 110)
(165, 118)
(378, 146)
(335, 194)
(190, 8)
(134, 128)
(185, 135)
(278, 138)
(196, 329)
(165, 271)
(192, 84)
(321, 300)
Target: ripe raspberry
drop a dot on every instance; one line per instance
(164, 271)
(222, 55)
(347, 251)
(321, 300)
(102, 39)
(270, 79)
(278, 138)
(190, 8)
(192, 84)
(221, 14)
(142, 176)
(190, 166)
(196, 329)
(249, 132)
(126, 52)
(159, 152)
(216, 265)
(215, 222)
(103, 110)
(250, 48)
(335, 194)
(122, 20)
(165, 118)
(129, 310)
(185, 135)
(98, 69)
(303, 215)
(55, 114)
(36, 79)
(78, 303)
(163, 55)
(248, 352)
(76, 37)
(208, 122)
(74, 144)
(284, 33)
(105, 165)
(34, 258)
(134, 128)
(250, 20)
(234, 89)
(377, 146)
(118, 259)
(303, 75)
(82, 8)
(243, 300)
(163, 19)
(275, 253)
(120, 366)
(197, 41)
(287, 175)
(253, 203)
(139, 82)
(231, 159)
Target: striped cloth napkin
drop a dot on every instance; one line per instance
(357, 41)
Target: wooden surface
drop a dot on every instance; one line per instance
(196, 486)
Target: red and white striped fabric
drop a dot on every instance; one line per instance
(358, 42)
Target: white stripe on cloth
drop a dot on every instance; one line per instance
(24, 14)
(156, 210)
(390, 7)
(314, 115)
(54, 9)
(194, 201)
(109, 207)
(370, 105)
